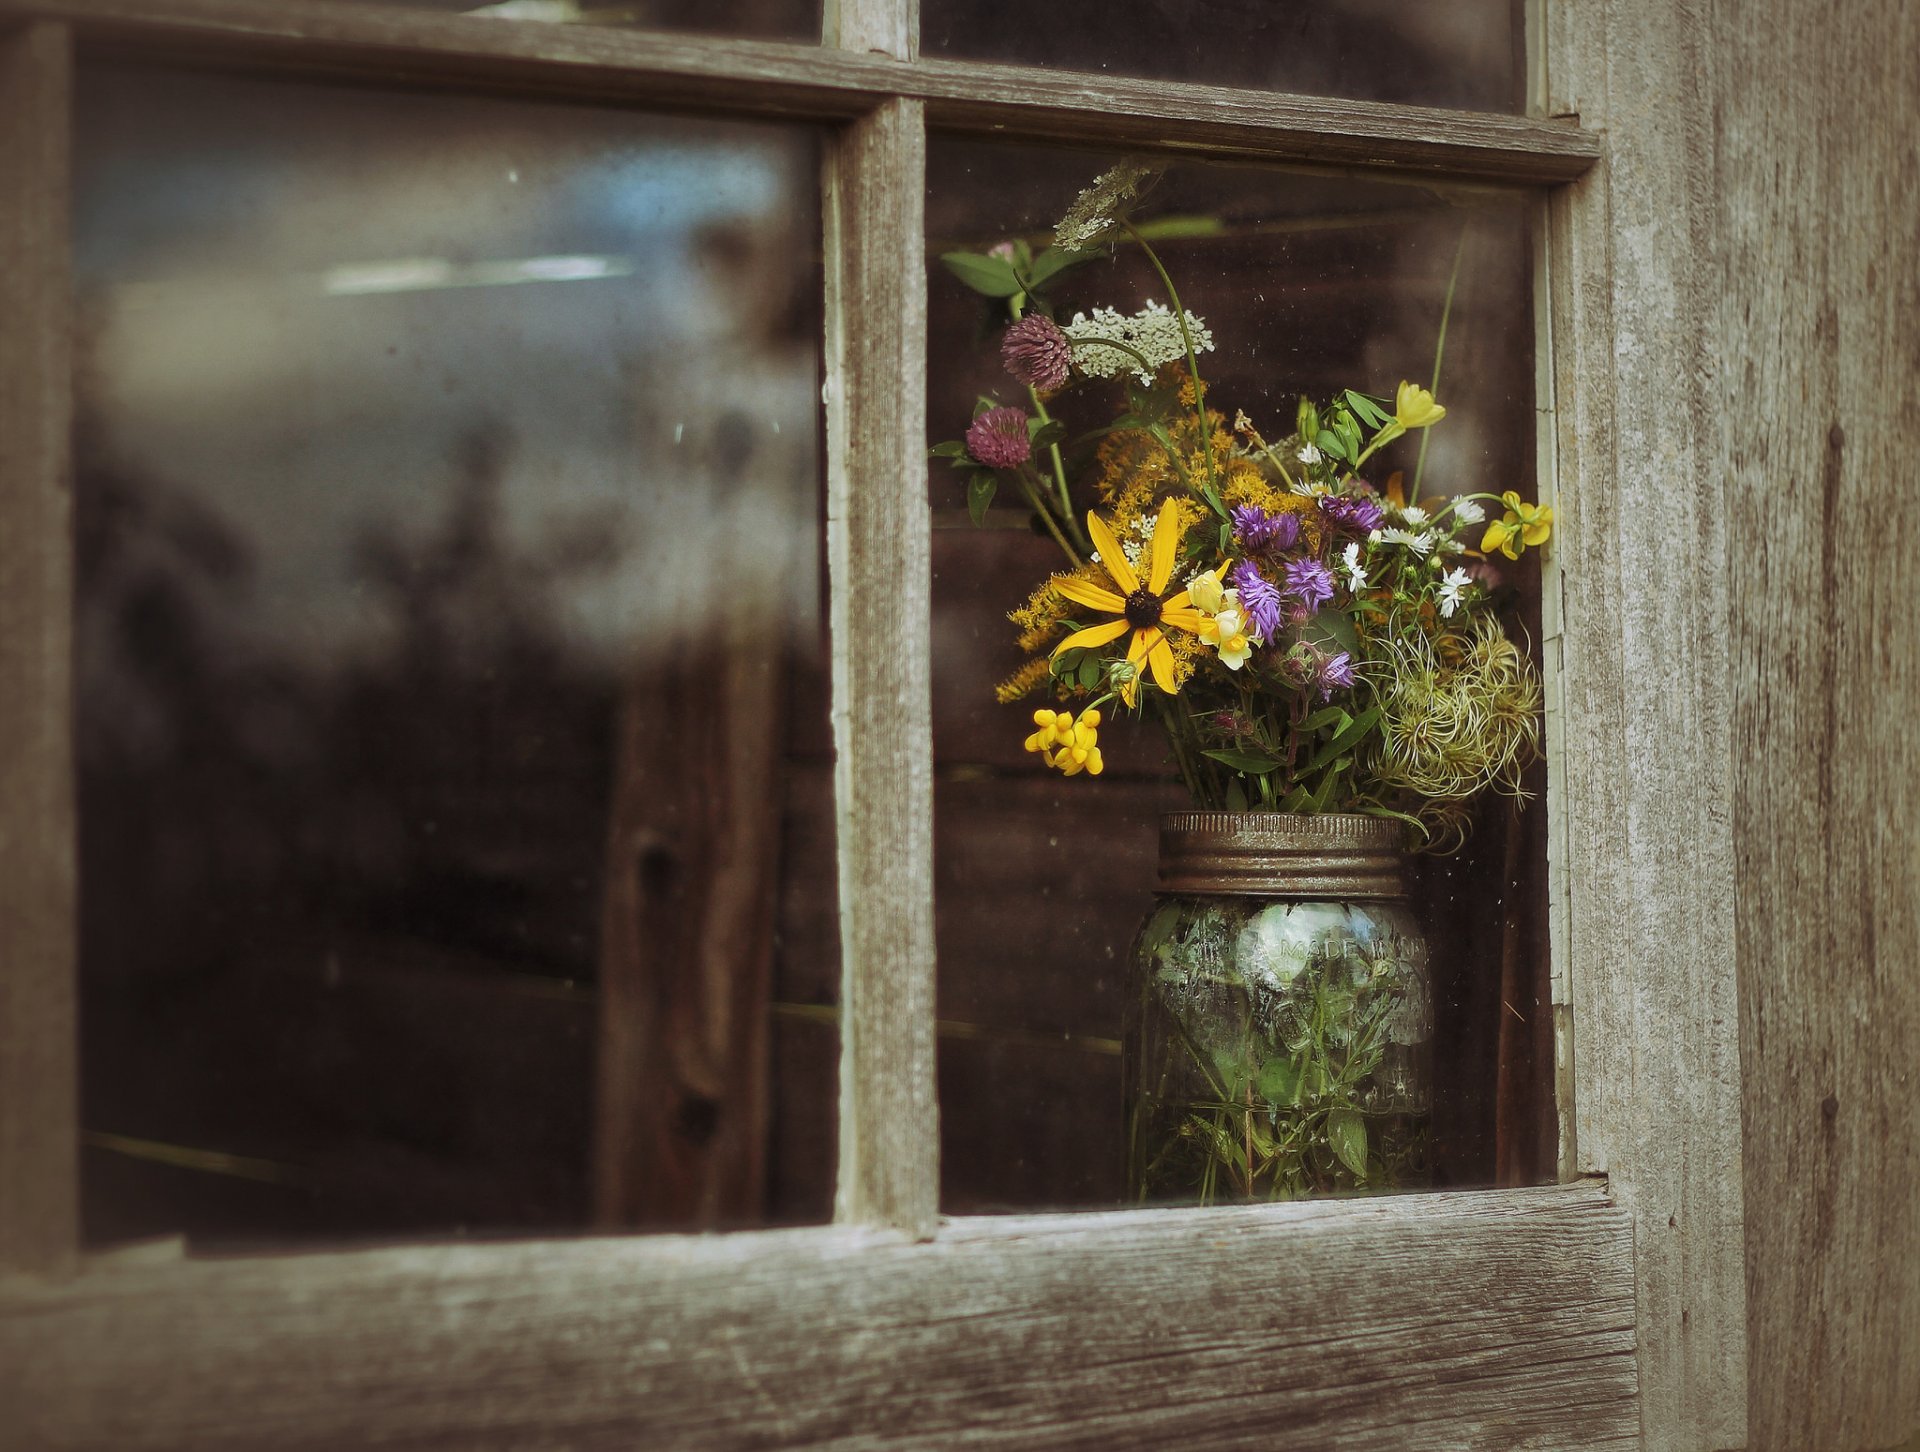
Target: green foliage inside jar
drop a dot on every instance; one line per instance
(1277, 1050)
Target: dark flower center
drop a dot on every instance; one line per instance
(1143, 609)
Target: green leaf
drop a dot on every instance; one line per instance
(990, 276)
(980, 491)
(1413, 822)
(1253, 762)
(1170, 227)
(1347, 1132)
(1040, 434)
(1307, 421)
(1332, 628)
(1367, 409)
(951, 449)
(1052, 262)
(1295, 800)
(1066, 663)
(1330, 443)
(1334, 716)
(1317, 802)
(1236, 796)
(1279, 1083)
(1346, 738)
(1090, 671)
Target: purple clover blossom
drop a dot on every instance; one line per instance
(1259, 597)
(1309, 582)
(1258, 530)
(1036, 352)
(998, 439)
(1352, 514)
(1335, 673)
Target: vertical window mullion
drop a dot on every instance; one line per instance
(879, 562)
(39, 1132)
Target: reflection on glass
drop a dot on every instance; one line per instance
(1463, 54)
(447, 630)
(1309, 283)
(797, 20)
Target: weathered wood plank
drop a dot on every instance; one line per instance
(1816, 137)
(1642, 549)
(769, 78)
(879, 565)
(39, 1133)
(1487, 1320)
(687, 931)
(883, 27)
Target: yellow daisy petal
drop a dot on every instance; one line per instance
(1112, 558)
(1191, 621)
(1094, 635)
(1160, 661)
(1082, 593)
(1166, 543)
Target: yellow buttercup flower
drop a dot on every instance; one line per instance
(1072, 745)
(1521, 526)
(1138, 603)
(1414, 408)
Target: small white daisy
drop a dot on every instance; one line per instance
(1420, 544)
(1451, 585)
(1468, 511)
(1356, 576)
(1308, 454)
(1413, 514)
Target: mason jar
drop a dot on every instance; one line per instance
(1279, 1014)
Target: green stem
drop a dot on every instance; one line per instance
(1053, 450)
(1033, 498)
(1118, 347)
(1439, 351)
(1193, 367)
(1169, 725)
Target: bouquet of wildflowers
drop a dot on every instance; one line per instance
(1309, 640)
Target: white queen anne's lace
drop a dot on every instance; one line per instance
(1153, 333)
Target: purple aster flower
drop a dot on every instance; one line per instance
(1258, 530)
(1036, 352)
(1354, 515)
(1309, 582)
(1336, 672)
(998, 438)
(1259, 597)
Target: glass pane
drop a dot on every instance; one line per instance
(1463, 54)
(1308, 285)
(453, 781)
(797, 20)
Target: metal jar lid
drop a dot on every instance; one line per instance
(1282, 854)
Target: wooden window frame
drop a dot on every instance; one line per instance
(1607, 1309)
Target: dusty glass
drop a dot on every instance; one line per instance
(1309, 283)
(448, 644)
(1465, 54)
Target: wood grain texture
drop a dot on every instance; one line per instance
(39, 1131)
(687, 931)
(1818, 153)
(1642, 549)
(771, 79)
(885, 27)
(879, 566)
(1487, 1320)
